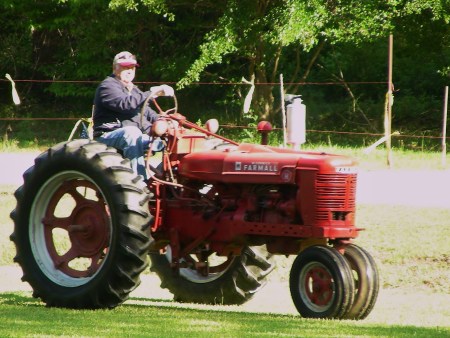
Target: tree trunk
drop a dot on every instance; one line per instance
(263, 98)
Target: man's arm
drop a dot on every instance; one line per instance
(113, 96)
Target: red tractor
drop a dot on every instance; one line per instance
(211, 218)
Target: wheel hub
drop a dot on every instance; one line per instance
(319, 286)
(88, 230)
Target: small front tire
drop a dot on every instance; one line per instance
(321, 283)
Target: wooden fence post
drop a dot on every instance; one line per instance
(444, 129)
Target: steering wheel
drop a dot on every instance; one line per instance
(160, 111)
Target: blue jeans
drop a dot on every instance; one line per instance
(133, 143)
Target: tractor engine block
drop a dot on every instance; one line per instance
(261, 203)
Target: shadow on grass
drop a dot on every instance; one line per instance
(18, 298)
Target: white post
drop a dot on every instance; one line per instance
(444, 129)
(296, 121)
(283, 110)
(388, 112)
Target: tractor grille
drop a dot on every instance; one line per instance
(335, 196)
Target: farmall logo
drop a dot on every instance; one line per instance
(256, 167)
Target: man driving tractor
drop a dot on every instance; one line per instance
(117, 106)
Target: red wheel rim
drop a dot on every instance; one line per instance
(317, 287)
(87, 228)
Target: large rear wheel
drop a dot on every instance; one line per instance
(81, 226)
(232, 280)
(321, 283)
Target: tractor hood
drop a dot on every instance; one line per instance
(252, 163)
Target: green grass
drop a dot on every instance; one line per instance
(22, 316)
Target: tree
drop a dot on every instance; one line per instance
(257, 33)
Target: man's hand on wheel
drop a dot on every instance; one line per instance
(162, 90)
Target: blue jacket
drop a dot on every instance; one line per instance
(115, 107)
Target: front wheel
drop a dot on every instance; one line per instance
(81, 226)
(321, 283)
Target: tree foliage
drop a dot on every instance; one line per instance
(258, 32)
(223, 41)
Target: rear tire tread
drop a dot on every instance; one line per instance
(115, 280)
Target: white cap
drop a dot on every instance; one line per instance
(125, 59)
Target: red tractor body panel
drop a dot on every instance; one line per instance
(266, 194)
(250, 163)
